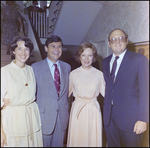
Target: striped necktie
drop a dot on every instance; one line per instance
(57, 78)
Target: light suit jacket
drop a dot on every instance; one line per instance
(47, 99)
(129, 92)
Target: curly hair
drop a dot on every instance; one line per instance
(81, 49)
(28, 43)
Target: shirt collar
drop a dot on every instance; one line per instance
(51, 64)
(17, 67)
(120, 56)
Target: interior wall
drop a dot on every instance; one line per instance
(131, 16)
(69, 51)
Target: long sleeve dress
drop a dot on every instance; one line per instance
(85, 123)
(21, 119)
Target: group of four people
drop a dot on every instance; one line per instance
(35, 113)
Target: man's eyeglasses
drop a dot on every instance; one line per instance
(120, 39)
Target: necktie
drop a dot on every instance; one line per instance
(57, 78)
(114, 68)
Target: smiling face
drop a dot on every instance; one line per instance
(86, 58)
(54, 51)
(120, 45)
(21, 53)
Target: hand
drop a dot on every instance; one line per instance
(6, 103)
(140, 127)
(3, 139)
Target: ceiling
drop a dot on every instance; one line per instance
(75, 19)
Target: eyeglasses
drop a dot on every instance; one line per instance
(120, 39)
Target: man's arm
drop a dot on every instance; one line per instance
(143, 78)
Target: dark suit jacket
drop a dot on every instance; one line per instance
(130, 92)
(47, 99)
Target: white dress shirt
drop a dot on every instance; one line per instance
(52, 67)
(118, 62)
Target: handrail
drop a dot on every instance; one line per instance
(43, 23)
(36, 34)
(43, 20)
(53, 15)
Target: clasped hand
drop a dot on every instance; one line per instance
(6, 103)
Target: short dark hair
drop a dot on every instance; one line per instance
(126, 35)
(28, 43)
(53, 38)
(81, 49)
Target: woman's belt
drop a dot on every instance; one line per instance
(84, 102)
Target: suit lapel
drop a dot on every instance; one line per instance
(48, 78)
(124, 64)
(108, 69)
(63, 78)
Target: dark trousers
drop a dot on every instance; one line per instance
(118, 138)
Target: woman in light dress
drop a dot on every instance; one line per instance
(20, 119)
(86, 83)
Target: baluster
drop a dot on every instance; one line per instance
(44, 26)
(35, 20)
(41, 24)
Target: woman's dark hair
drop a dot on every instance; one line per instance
(81, 49)
(53, 38)
(28, 43)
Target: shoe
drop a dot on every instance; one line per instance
(8, 52)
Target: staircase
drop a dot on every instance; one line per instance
(5, 59)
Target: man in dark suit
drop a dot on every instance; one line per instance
(52, 103)
(126, 102)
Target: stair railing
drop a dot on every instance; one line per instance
(53, 15)
(44, 22)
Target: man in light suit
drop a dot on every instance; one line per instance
(126, 102)
(53, 106)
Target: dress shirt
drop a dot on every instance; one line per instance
(118, 62)
(52, 67)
